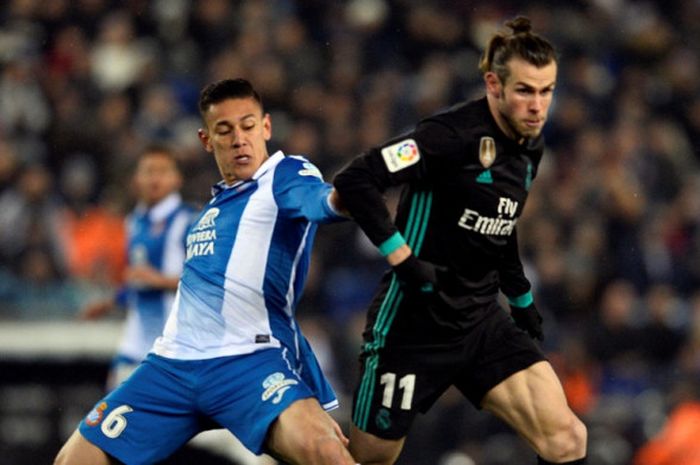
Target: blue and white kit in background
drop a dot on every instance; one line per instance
(156, 237)
(231, 349)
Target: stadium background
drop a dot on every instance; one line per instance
(610, 236)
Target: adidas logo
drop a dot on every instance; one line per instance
(485, 177)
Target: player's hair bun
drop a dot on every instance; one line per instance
(520, 25)
(521, 42)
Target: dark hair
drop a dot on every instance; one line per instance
(225, 89)
(520, 42)
(161, 149)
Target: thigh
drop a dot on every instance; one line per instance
(79, 451)
(532, 401)
(495, 350)
(246, 394)
(147, 418)
(300, 428)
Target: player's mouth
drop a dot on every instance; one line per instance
(242, 159)
(533, 123)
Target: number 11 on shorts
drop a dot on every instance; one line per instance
(407, 383)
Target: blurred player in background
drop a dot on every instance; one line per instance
(436, 321)
(232, 354)
(156, 253)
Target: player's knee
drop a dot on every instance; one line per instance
(565, 442)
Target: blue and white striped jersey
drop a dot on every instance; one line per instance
(246, 262)
(156, 237)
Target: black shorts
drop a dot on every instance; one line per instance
(412, 354)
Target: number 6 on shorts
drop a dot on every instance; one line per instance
(114, 424)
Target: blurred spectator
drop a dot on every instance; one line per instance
(67, 61)
(157, 117)
(119, 59)
(614, 341)
(31, 218)
(24, 109)
(578, 374)
(212, 24)
(42, 293)
(24, 113)
(689, 358)
(677, 443)
(662, 334)
(93, 232)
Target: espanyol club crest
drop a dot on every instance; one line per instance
(276, 385)
(96, 414)
(207, 220)
(487, 151)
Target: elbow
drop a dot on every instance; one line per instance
(342, 182)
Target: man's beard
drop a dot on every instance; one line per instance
(518, 135)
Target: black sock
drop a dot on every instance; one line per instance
(541, 461)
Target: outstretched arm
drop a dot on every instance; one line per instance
(410, 158)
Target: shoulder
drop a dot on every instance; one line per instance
(463, 114)
(465, 121)
(295, 167)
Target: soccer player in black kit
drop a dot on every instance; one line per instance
(436, 321)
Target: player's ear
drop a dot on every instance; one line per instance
(267, 126)
(204, 138)
(493, 84)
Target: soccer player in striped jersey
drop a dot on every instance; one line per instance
(231, 354)
(436, 321)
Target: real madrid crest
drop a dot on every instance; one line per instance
(487, 151)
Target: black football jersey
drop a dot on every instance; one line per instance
(465, 184)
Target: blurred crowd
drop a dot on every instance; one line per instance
(610, 235)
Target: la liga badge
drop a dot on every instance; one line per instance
(401, 155)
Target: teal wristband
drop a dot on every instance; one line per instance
(393, 243)
(522, 300)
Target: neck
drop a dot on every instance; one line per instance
(501, 121)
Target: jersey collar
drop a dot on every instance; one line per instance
(162, 209)
(268, 164)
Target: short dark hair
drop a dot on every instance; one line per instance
(225, 89)
(519, 42)
(161, 149)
